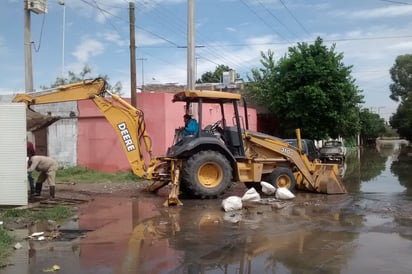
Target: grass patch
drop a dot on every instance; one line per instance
(29, 216)
(79, 174)
(6, 242)
(22, 217)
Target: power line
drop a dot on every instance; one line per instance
(261, 19)
(276, 18)
(122, 19)
(41, 34)
(325, 40)
(294, 17)
(396, 2)
(163, 14)
(101, 10)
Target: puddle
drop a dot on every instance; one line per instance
(375, 220)
(380, 253)
(363, 232)
(384, 183)
(139, 236)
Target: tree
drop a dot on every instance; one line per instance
(402, 120)
(309, 88)
(401, 75)
(401, 91)
(86, 73)
(372, 125)
(214, 77)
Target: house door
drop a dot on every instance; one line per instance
(40, 137)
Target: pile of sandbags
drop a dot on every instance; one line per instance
(233, 203)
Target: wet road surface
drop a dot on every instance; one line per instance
(368, 230)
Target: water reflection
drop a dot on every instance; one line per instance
(313, 233)
(367, 231)
(401, 167)
(377, 169)
(262, 241)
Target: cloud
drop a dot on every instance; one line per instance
(401, 46)
(145, 39)
(101, 10)
(385, 12)
(88, 48)
(114, 37)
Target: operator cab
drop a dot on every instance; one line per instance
(224, 131)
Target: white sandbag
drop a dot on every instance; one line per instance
(251, 195)
(282, 193)
(267, 188)
(232, 203)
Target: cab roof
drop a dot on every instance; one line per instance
(207, 96)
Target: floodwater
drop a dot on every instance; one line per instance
(368, 230)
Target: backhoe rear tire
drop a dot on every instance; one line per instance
(207, 174)
(282, 177)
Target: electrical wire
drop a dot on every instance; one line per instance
(294, 17)
(396, 2)
(275, 17)
(41, 35)
(264, 22)
(163, 14)
(122, 19)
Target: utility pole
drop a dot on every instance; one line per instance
(190, 45)
(39, 6)
(27, 49)
(132, 55)
(191, 77)
(62, 3)
(142, 59)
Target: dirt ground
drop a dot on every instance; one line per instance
(89, 190)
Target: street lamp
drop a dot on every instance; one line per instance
(61, 2)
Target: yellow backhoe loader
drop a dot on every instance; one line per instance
(205, 164)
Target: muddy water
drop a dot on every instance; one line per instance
(367, 231)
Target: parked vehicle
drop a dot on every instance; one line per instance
(205, 164)
(308, 147)
(333, 151)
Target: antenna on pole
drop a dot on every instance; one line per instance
(142, 59)
(132, 55)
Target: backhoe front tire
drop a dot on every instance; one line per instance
(207, 174)
(282, 177)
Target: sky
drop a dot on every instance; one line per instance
(369, 33)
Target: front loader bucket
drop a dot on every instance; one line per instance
(327, 179)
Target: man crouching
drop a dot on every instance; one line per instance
(47, 167)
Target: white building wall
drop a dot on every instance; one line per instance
(61, 135)
(13, 158)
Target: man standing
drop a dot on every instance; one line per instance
(47, 167)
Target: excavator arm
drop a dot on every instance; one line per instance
(127, 121)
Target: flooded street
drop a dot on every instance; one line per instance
(368, 230)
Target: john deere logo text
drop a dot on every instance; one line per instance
(127, 139)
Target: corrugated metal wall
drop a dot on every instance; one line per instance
(61, 135)
(13, 163)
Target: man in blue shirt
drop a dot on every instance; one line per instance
(191, 126)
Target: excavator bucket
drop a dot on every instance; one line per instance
(327, 179)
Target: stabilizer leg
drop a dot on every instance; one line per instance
(174, 192)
